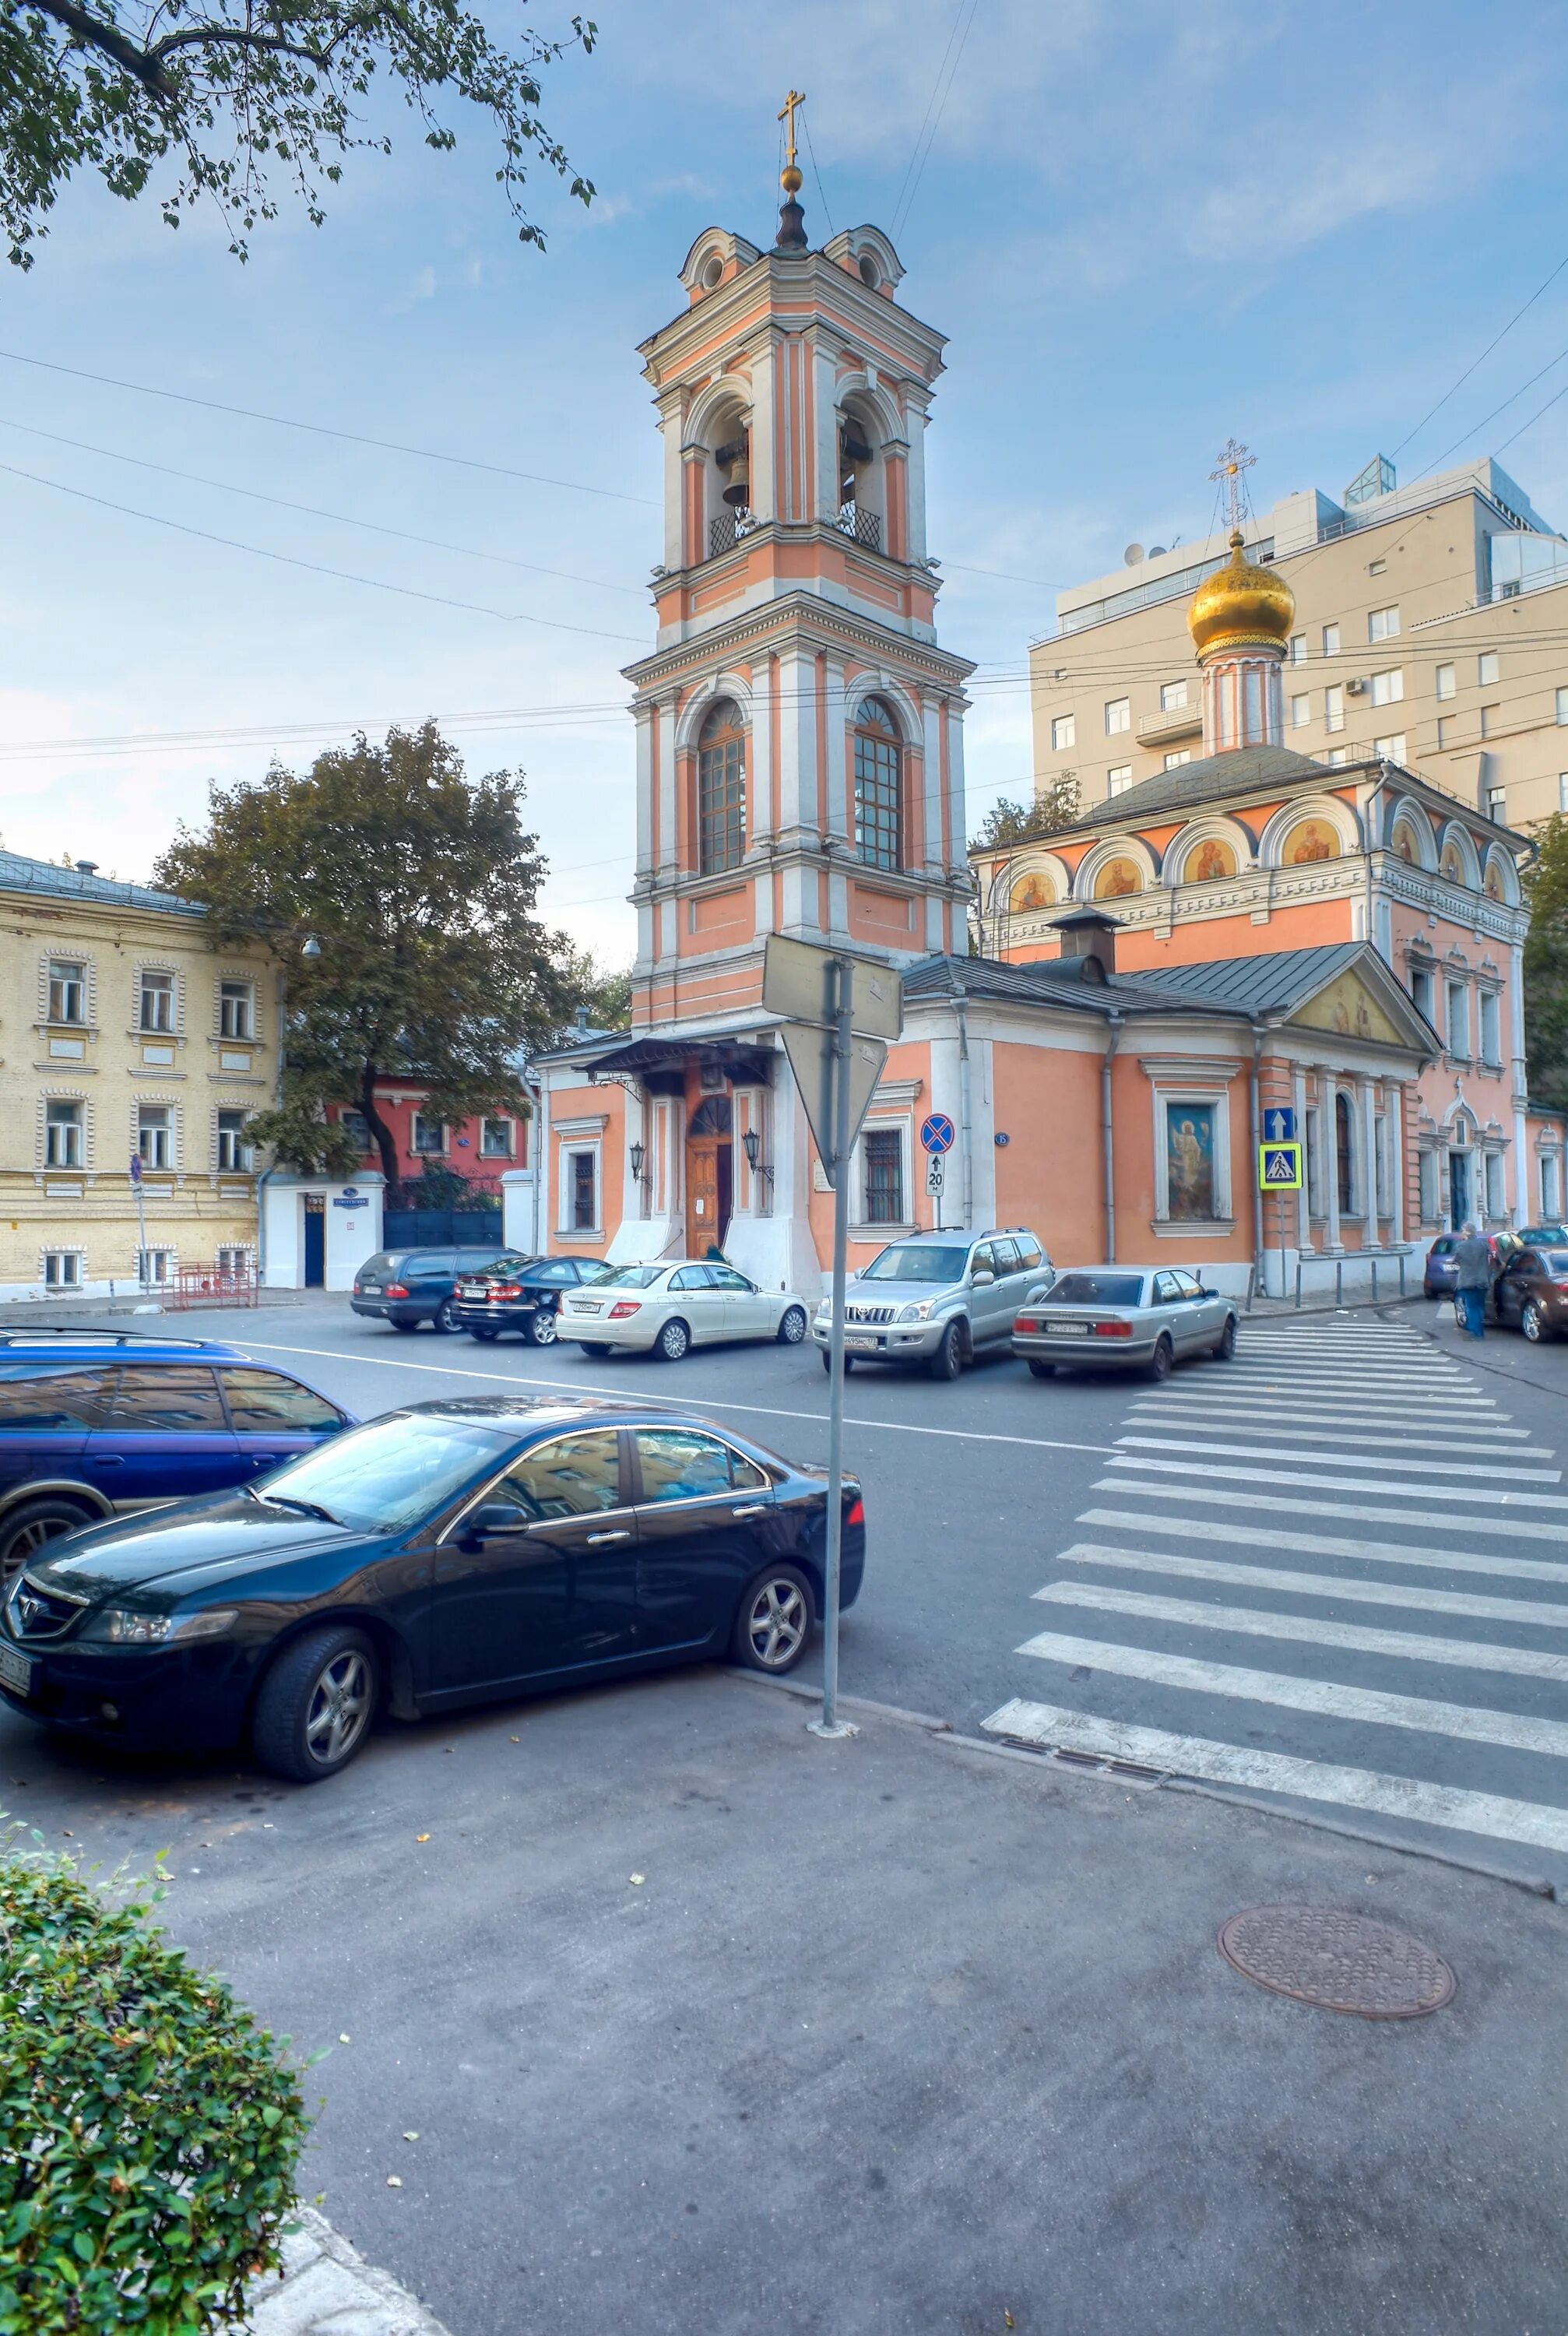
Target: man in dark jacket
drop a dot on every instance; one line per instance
(1473, 1262)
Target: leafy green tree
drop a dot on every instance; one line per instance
(1545, 881)
(603, 995)
(418, 887)
(226, 92)
(1054, 806)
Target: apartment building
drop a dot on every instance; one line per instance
(1431, 631)
(127, 1038)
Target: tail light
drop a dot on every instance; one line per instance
(1113, 1330)
(394, 1289)
(856, 1514)
(506, 1290)
(1026, 1322)
(623, 1306)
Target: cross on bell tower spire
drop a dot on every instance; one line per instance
(791, 233)
(1234, 463)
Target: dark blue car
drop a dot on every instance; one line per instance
(447, 1554)
(92, 1424)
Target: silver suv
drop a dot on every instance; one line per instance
(937, 1299)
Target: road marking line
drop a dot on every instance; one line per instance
(698, 1403)
(1344, 1484)
(1292, 1505)
(1261, 1622)
(1380, 1553)
(1367, 1789)
(1347, 1459)
(1407, 1595)
(1456, 1440)
(1298, 1381)
(1324, 1698)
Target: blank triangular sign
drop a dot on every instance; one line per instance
(811, 1058)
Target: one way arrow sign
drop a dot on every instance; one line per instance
(1279, 1124)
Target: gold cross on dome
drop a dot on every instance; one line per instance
(787, 113)
(1234, 464)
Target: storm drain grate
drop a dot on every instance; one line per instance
(1341, 1961)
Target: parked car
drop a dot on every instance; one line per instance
(406, 1287)
(666, 1309)
(1531, 1293)
(447, 1554)
(1440, 1274)
(1147, 1317)
(91, 1423)
(522, 1295)
(937, 1299)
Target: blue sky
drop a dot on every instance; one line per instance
(1143, 229)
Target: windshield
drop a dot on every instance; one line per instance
(1096, 1289)
(633, 1277)
(503, 1268)
(1555, 1261)
(912, 1261)
(386, 1476)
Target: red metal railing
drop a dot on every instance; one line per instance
(210, 1285)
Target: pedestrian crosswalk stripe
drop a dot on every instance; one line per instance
(1344, 1484)
(1452, 1440)
(1344, 1588)
(1417, 1468)
(1306, 1630)
(1374, 1794)
(1325, 1699)
(1304, 1379)
(1292, 1505)
(1379, 1553)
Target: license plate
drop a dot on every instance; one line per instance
(860, 1345)
(15, 1671)
(586, 1306)
(1067, 1330)
(470, 1289)
(370, 1288)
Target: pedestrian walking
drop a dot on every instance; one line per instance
(1473, 1259)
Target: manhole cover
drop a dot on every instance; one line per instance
(1338, 1960)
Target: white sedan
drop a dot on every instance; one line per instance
(664, 1309)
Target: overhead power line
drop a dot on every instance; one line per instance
(1481, 360)
(935, 106)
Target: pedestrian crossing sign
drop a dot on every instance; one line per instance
(1279, 1167)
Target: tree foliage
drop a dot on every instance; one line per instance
(602, 993)
(149, 2129)
(1006, 823)
(419, 886)
(1545, 882)
(222, 98)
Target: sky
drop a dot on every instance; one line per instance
(1144, 228)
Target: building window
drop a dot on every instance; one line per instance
(583, 1168)
(62, 1269)
(1458, 1004)
(1489, 668)
(495, 1139)
(1118, 715)
(1426, 1188)
(1563, 790)
(429, 1135)
(236, 1010)
(1550, 1187)
(1375, 567)
(1064, 731)
(1344, 1155)
(1388, 687)
(1301, 711)
(1491, 1029)
(1330, 640)
(156, 1011)
(1334, 707)
(1338, 757)
(1497, 805)
(1392, 749)
(1445, 726)
(1382, 624)
(358, 1127)
(1298, 648)
(233, 1260)
(721, 789)
(67, 990)
(154, 1267)
(1421, 989)
(63, 1135)
(1492, 1170)
(1119, 780)
(1172, 697)
(879, 787)
(1314, 1168)
(154, 1135)
(1182, 754)
(884, 1154)
(1561, 708)
(1491, 721)
(233, 1151)
(1447, 679)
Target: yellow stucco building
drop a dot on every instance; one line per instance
(123, 1033)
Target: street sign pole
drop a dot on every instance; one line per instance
(141, 1218)
(843, 1039)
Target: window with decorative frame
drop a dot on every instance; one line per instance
(67, 991)
(428, 1138)
(721, 789)
(155, 1134)
(237, 1009)
(234, 1153)
(583, 1169)
(63, 1268)
(1550, 1175)
(1494, 1183)
(64, 1133)
(496, 1139)
(1428, 1190)
(878, 787)
(155, 1001)
(882, 1169)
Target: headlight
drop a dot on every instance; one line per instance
(123, 1628)
(919, 1312)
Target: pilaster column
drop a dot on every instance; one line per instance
(1303, 1201)
(1395, 1116)
(1328, 1123)
(1370, 1227)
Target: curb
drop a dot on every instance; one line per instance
(327, 2289)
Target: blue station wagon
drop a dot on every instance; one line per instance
(93, 1424)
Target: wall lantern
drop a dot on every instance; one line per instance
(637, 1155)
(752, 1143)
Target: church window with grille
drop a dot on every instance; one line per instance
(721, 789)
(878, 787)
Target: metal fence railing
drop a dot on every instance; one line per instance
(1354, 1257)
(191, 1286)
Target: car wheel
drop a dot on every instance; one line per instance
(949, 1358)
(541, 1327)
(1161, 1360)
(828, 1362)
(444, 1318)
(792, 1328)
(1225, 1344)
(1433, 1294)
(1042, 1370)
(1532, 1322)
(316, 1706)
(595, 1347)
(486, 1335)
(774, 1622)
(672, 1341)
(27, 1528)
(401, 1322)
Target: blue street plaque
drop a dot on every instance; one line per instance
(937, 1133)
(1279, 1125)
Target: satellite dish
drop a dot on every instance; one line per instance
(1156, 552)
(1132, 556)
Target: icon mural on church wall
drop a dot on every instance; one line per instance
(1190, 1161)
(1116, 879)
(1206, 862)
(1031, 892)
(1314, 839)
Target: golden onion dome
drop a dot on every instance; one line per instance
(1241, 606)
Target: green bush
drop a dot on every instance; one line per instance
(148, 2128)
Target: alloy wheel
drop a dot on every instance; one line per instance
(672, 1342)
(775, 1623)
(340, 1708)
(1532, 1322)
(541, 1327)
(792, 1328)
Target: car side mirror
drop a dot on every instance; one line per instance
(492, 1521)
(981, 1277)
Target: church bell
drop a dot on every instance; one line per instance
(853, 450)
(734, 462)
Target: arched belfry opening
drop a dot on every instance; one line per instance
(862, 478)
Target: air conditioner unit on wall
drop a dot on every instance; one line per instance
(1355, 690)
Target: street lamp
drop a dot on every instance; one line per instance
(311, 948)
(637, 1155)
(751, 1144)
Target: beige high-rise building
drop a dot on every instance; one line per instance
(1431, 630)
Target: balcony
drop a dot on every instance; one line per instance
(730, 528)
(864, 527)
(1174, 722)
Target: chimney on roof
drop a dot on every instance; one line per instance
(1088, 933)
(87, 868)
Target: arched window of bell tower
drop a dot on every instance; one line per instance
(720, 789)
(863, 476)
(878, 785)
(727, 513)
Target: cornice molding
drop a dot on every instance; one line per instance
(816, 624)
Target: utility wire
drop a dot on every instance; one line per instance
(816, 174)
(1481, 360)
(935, 105)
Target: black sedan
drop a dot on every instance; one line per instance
(448, 1554)
(522, 1294)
